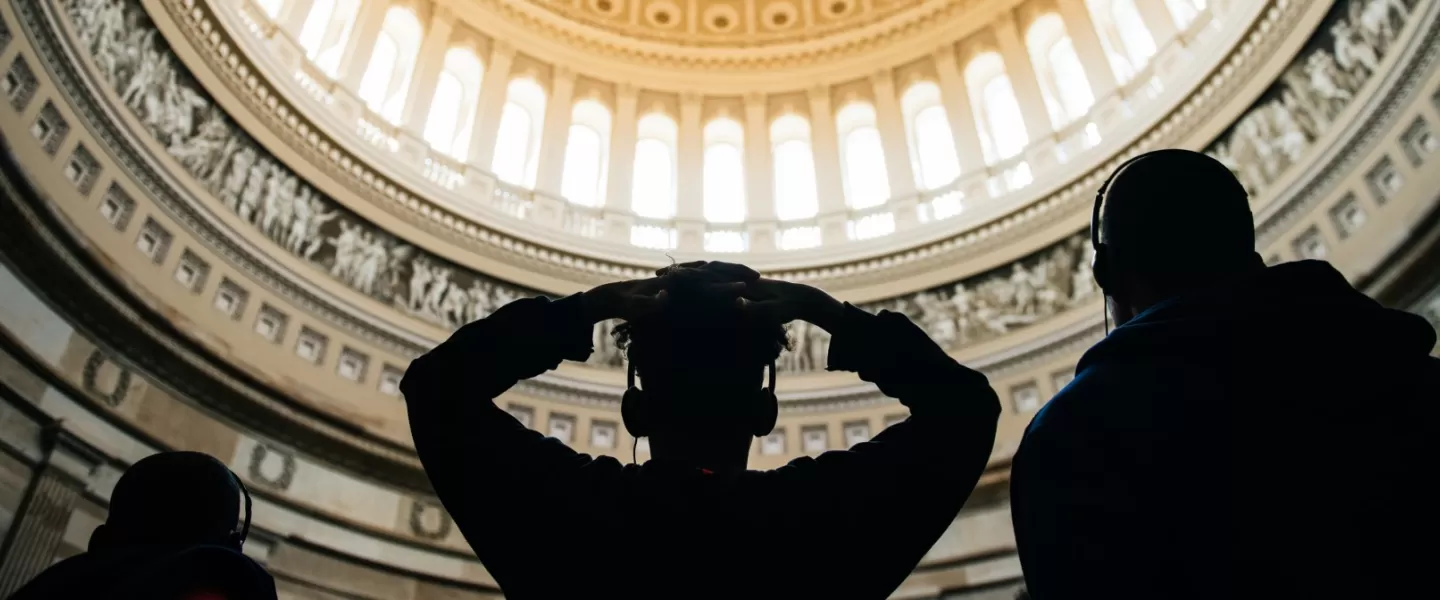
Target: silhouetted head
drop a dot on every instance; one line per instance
(701, 364)
(172, 498)
(1169, 222)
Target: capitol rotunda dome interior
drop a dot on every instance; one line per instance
(230, 225)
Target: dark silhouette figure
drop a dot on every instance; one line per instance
(173, 533)
(1244, 431)
(693, 522)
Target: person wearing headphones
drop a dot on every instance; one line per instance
(173, 532)
(1243, 431)
(694, 522)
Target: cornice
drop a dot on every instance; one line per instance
(199, 26)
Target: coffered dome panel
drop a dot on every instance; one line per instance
(720, 24)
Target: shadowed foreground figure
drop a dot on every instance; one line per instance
(693, 522)
(173, 533)
(1244, 431)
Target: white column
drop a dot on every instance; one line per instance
(690, 184)
(825, 143)
(956, 96)
(891, 123)
(968, 149)
(1023, 79)
(1159, 21)
(622, 164)
(691, 161)
(1081, 29)
(291, 18)
(361, 44)
(428, 64)
(759, 183)
(556, 134)
(492, 99)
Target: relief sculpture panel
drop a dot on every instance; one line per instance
(1339, 58)
(246, 180)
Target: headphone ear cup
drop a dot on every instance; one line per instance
(635, 412)
(767, 412)
(1101, 267)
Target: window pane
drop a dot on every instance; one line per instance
(865, 168)
(724, 241)
(653, 191)
(377, 75)
(1184, 11)
(935, 148)
(650, 236)
(872, 226)
(1002, 115)
(440, 126)
(1139, 45)
(724, 184)
(581, 182)
(512, 144)
(796, 238)
(1073, 88)
(795, 196)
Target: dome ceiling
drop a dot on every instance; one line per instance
(729, 23)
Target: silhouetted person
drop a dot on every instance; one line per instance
(693, 522)
(1243, 431)
(173, 532)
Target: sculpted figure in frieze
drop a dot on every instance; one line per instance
(1337, 60)
(265, 194)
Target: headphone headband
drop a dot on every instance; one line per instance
(244, 532)
(630, 384)
(1100, 195)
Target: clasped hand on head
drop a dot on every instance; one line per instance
(768, 299)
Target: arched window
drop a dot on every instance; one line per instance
(326, 30)
(932, 145)
(724, 200)
(1126, 40)
(1062, 77)
(997, 112)
(586, 154)
(517, 141)
(653, 184)
(1185, 11)
(271, 7)
(452, 111)
(862, 156)
(794, 163)
(387, 77)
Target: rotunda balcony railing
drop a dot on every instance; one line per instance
(1128, 91)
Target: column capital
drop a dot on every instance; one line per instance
(754, 100)
(442, 13)
(883, 79)
(819, 93)
(563, 74)
(627, 91)
(691, 100)
(501, 50)
(944, 57)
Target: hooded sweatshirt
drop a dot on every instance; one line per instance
(143, 572)
(548, 522)
(1273, 436)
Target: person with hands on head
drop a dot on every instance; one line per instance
(701, 340)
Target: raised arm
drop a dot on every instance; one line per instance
(897, 493)
(482, 462)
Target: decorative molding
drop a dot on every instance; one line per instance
(280, 482)
(90, 377)
(429, 520)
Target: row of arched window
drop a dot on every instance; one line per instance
(448, 128)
